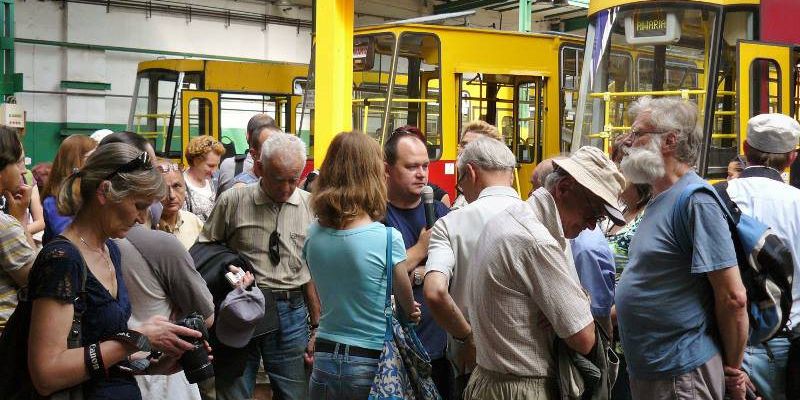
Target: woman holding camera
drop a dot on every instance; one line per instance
(346, 253)
(110, 194)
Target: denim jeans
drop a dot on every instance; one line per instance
(341, 376)
(282, 352)
(766, 366)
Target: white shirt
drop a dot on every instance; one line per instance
(455, 236)
(777, 205)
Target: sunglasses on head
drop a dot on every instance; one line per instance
(274, 254)
(169, 167)
(142, 162)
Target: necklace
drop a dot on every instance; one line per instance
(106, 259)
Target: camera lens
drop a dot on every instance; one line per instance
(195, 362)
(196, 365)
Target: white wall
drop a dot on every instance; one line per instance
(44, 67)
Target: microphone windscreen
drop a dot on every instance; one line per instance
(427, 194)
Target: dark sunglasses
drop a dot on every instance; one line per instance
(598, 212)
(274, 254)
(142, 162)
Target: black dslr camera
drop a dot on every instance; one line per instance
(195, 362)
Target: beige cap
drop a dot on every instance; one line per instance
(597, 173)
(773, 133)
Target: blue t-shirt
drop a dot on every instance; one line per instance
(665, 303)
(410, 223)
(353, 260)
(54, 222)
(594, 263)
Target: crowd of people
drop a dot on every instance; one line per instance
(101, 253)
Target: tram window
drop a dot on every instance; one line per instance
(416, 97)
(200, 121)
(528, 117)
(153, 105)
(677, 76)
(236, 109)
(571, 64)
(489, 98)
(372, 83)
(765, 87)
(724, 143)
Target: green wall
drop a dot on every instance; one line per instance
(43, 138)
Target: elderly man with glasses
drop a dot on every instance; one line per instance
(266, 223)
(680, 302)
(525, 281)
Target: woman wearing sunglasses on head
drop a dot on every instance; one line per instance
(110, 194)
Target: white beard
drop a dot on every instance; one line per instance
(643, 164)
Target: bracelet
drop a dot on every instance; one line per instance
(313, 327)
(94, 361)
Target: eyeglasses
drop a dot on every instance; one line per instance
(142, 162)
(598, 213)
(639, 133)
(274, 254)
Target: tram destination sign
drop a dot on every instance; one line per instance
(652, 27)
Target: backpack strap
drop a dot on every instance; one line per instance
(681, 207)
(75, 331)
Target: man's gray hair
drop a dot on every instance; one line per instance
(553, 178)
(487, 154)
(284, 146)
(673, 114)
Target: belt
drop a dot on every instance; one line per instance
(286, 295)
(325, 346)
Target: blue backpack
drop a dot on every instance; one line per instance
(765, 263)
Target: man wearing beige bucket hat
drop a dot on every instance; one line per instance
(680, 302)
(522, 271)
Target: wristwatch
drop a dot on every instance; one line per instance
(417, 278)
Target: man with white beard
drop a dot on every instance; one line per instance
(680, 302)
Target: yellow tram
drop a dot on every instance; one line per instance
(713, 52)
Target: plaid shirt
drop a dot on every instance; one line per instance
(522, 270)
(15, 253)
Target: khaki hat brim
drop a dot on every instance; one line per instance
(589, 181)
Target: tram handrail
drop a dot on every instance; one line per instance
(152, 134)
(609, 128)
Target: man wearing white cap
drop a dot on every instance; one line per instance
(761, 193)
(680, 302)
(522, 273)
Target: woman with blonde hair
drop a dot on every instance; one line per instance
(77, 277)
(346, 253)
(71, 155)
(203, 154)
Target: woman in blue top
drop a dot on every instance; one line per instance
(346, 253)
(71, 155)
(110, 194)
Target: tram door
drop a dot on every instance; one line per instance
(199, 116)
(765, 83)
(516, 105)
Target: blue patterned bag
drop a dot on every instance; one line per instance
(404, 369)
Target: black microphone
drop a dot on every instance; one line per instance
(430, 210)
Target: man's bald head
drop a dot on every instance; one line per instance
(540, 173)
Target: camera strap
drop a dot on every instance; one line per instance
(133, 338)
